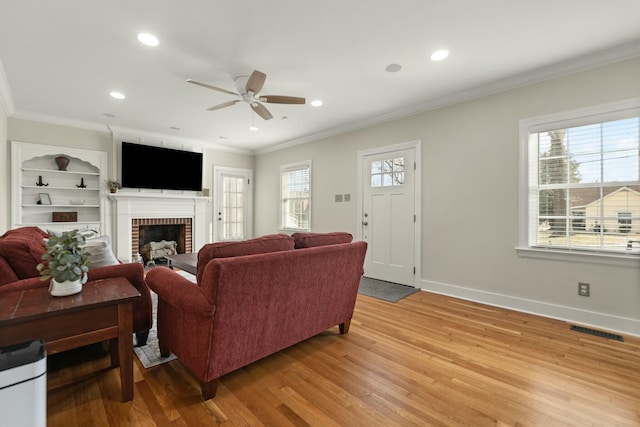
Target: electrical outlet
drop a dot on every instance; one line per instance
(583, 289)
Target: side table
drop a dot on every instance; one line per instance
(102, 311)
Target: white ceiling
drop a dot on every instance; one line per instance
(62, 58)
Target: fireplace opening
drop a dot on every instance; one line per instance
(154, 238)
(157, 241)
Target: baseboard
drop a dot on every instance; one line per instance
(621, 325)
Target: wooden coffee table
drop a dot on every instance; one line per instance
(186, 262)
(102, 311)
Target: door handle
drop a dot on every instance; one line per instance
(365, 223)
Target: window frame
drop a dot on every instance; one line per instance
(291, 167)
(578, 117)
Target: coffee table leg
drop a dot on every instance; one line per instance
(125, 349)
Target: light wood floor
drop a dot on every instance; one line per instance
(426, 360)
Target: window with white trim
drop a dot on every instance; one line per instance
(583, 182)
(295, 196)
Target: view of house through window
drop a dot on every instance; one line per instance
(584, 184)
(295, 191)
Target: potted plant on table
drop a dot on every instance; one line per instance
(113, 185)
(67, 261)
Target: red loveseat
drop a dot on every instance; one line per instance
(254, 298)
(21, 250)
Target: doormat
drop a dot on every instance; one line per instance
(387, 291)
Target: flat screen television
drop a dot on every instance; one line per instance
(147, 166)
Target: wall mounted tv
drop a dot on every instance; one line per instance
(147, 166)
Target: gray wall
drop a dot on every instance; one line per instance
(470, 199)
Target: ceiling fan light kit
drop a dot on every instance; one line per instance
(249, 94)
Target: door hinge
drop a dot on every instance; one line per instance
(248, 181)
(414, 271)
(414, 166)
(414, 217)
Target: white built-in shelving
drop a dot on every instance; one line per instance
(40, 188)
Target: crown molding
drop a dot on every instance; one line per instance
(122, 131)
(581, 63)
(62, 121)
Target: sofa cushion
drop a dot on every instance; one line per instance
(259, 245)
(23, 248)
(309, 240)
(7, 275)
(100, 252)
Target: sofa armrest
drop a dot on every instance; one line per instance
(179, 292)
(24, 284)
(134, 273)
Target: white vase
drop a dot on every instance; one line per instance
(68, 287)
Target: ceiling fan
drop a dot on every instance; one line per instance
(249, 94)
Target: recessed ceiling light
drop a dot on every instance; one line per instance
(174, 127)
(439, 55)
(117, 95)
(148, 39)
(253, 128)
(316, 103)
(393, 68)
(113, 116)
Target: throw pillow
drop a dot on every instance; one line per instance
(101, 254)
(259, 245)
(309, 240)
(23, 248)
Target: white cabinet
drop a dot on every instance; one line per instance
(45, 196)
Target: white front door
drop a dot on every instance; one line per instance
(389, 215)
(232, 204)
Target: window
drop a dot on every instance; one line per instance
(582, 182)
(295, 193)
(387, 173)
(233, 208)
(624, 221)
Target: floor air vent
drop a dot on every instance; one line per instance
(597, 333)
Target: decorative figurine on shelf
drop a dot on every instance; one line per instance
(113, 185)
(82, 184)
(40, 183)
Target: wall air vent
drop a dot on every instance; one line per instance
(597, 333)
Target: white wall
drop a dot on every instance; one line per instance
(5, 181)
(470, 199)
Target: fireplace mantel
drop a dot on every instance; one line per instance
(129, 206)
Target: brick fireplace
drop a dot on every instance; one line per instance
(135, 211)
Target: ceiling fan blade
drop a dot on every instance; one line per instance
(261, 110)
(223, 105)
(212, 87)
(278, 99)
(256, 81)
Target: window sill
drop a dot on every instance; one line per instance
(607, 258)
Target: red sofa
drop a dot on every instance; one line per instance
(21, 250)
(254, 298)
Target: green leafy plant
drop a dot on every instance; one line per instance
(113, 184)
(65, 258)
